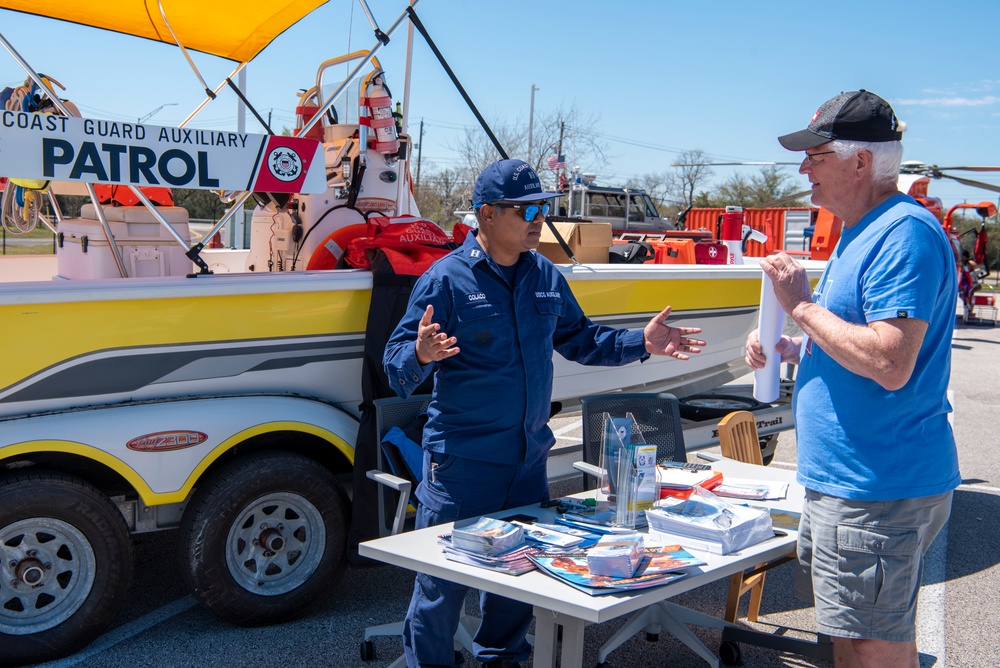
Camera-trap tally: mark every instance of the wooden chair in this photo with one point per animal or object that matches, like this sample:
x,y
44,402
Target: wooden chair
x,y
739,440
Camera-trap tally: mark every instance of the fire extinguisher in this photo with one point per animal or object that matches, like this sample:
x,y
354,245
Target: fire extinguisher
x,y
304,112
376,102
732,233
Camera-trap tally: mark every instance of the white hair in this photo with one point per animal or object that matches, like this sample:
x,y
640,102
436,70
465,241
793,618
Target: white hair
x,y
886,156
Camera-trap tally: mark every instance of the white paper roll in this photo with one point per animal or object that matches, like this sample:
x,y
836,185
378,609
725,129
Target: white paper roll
x,y
771,322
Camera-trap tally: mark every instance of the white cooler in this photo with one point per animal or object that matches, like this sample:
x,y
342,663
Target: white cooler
x,y
147,248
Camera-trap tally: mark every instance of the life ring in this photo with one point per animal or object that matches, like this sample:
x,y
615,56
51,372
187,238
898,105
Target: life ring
x,y
329,252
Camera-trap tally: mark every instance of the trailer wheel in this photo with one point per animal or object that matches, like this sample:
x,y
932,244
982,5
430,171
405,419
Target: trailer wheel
x,y
66,565
264,538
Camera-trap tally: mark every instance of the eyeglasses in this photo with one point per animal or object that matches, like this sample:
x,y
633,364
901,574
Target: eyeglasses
x,y
529,211
811,157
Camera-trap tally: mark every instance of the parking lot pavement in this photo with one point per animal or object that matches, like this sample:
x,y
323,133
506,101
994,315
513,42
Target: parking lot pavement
x,y
162,627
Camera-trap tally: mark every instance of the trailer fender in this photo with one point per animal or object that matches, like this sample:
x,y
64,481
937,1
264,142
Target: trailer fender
x,y
162,448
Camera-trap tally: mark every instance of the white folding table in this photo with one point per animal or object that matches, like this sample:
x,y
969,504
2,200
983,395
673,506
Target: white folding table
x,y
558,605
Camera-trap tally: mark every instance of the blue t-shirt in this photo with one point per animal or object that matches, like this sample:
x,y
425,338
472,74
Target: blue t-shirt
x,y
491,401
855,439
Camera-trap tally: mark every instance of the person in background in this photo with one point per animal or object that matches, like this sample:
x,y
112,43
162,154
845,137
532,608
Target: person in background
x,y
486,319
876,452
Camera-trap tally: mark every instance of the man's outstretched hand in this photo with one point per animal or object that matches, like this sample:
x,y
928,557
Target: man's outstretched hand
x,y
676,342
432,344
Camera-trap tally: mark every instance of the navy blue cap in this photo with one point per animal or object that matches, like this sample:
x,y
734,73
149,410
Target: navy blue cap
x,y
508,181
854,116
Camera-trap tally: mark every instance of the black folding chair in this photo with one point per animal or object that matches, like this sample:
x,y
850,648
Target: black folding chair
x,y
657,415
398,479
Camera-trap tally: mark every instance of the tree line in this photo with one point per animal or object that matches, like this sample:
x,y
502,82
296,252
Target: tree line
x,y
441,191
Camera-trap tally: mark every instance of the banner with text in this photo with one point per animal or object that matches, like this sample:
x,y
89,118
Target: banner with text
x,y
60,148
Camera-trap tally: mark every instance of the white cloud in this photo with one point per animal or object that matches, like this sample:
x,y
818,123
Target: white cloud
x,y
984,101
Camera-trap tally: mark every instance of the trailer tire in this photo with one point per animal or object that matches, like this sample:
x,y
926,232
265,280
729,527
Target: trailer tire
x,y
67,548
264,538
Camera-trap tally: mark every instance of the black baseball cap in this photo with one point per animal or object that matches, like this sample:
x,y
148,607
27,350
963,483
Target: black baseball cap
x,y
853,116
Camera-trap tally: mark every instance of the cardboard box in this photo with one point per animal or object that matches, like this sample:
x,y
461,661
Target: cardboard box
x,y
588,241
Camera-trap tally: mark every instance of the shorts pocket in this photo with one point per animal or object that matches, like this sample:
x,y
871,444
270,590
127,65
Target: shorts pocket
x,y
877,567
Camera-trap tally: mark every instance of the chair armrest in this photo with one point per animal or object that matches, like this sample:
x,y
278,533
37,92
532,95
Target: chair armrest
x,y
590,469
400,485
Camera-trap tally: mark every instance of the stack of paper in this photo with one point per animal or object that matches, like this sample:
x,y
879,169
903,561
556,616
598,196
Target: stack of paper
x,y
513,562
709,524
551,536
757,490
679,482
616,556
659,566
487,536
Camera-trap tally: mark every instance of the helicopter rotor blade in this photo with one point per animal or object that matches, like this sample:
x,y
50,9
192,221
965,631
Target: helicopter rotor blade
x,y
974,184
973,169
731,164
786,199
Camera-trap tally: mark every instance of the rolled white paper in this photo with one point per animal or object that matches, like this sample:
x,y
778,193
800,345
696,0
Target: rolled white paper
x,y
771,322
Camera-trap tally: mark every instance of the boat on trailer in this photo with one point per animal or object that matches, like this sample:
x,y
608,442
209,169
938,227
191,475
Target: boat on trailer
x,y
172,385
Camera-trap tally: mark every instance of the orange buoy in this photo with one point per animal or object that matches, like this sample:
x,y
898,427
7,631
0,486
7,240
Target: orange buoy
x,y
332,248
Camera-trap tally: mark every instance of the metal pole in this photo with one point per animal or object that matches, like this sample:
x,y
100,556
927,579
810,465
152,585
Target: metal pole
x,y
420,149
531,121
241,106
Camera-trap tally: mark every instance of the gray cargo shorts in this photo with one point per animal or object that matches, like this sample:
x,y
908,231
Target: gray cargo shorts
x,y
860,562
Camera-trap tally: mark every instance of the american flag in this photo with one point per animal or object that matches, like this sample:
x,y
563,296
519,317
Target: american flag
x,y
556,162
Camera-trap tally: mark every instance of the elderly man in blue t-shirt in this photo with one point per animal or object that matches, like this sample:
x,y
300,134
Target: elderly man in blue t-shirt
x,y
876,452
486,319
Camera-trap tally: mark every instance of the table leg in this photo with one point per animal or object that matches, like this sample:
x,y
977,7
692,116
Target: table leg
x,y
547,623
545,638
572,642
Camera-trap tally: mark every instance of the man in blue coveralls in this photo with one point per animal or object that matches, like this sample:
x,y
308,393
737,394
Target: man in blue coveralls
x,y
486,318
875,450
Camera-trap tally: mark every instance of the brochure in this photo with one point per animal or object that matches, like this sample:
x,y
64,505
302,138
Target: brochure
x,y
486,535
676,478
757,490
636,483
588,537
602,527
706,518
572,569
513,562
549,537
616,556
784,519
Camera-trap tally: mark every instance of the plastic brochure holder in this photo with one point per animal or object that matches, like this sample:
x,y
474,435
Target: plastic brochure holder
x,y
617,433
637,488
629,466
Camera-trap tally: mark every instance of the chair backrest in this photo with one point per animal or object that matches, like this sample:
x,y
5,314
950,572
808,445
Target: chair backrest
x,y
739,439
656,414
396,412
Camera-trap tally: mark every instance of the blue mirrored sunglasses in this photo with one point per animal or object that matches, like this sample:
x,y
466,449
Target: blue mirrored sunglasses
x,y
529,211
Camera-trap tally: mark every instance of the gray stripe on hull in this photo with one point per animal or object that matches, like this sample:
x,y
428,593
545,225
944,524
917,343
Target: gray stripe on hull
x,y
116,372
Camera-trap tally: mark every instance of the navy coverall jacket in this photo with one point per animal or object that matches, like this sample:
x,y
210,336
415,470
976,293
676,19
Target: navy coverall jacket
x,y
491,401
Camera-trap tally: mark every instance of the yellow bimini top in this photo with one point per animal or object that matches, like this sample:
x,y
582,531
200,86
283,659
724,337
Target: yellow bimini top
x,y
233,29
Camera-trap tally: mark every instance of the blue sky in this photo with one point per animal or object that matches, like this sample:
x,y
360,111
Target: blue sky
x,y
724,77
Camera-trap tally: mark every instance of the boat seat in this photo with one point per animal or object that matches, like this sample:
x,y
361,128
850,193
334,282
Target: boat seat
x,y
135,214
